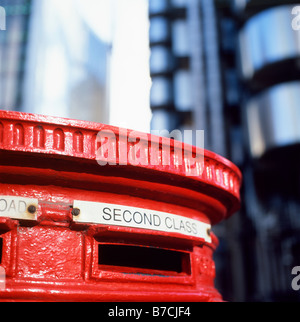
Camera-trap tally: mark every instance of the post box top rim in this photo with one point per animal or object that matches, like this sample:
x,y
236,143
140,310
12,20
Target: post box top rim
x,y
88,125
67,126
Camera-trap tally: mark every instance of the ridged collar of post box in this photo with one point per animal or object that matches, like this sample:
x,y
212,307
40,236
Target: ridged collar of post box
x,y
56,151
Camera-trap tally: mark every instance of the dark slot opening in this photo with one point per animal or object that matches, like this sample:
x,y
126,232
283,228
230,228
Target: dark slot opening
x,y
1,249
142,257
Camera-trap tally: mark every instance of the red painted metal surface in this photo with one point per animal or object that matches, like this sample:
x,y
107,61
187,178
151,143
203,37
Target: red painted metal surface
x,y
51,257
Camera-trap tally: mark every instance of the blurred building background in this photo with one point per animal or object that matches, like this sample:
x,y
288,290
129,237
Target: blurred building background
x,y
229,67
232,68
80,59
13,46
49,61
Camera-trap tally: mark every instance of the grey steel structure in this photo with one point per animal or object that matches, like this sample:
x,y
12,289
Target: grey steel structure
x,y
231,68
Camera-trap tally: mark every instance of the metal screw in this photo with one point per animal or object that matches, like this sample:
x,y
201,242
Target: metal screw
x,y
76,212
31,209
208,232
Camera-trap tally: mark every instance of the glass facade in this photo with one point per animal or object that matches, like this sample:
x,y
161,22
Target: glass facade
x,y
13,45
67,64
158,6
159,30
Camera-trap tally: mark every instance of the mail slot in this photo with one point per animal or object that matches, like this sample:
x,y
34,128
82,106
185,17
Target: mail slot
x,y
87,213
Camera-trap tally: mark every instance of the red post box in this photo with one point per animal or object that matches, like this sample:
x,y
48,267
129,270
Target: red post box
x,y
79,223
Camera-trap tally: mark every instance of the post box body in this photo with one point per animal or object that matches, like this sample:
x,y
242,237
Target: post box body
x,y
74,230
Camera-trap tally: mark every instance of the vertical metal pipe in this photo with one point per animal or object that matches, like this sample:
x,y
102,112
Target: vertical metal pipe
x,y
214,87
197,66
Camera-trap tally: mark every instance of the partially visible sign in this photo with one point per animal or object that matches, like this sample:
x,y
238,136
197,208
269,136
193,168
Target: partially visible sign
x,y
18,208
117,215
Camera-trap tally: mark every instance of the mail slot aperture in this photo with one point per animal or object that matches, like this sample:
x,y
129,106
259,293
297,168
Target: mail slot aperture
x,y
150,260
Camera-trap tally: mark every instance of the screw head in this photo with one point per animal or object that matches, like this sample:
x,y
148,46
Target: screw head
x,y
75,212
31,209
208,232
